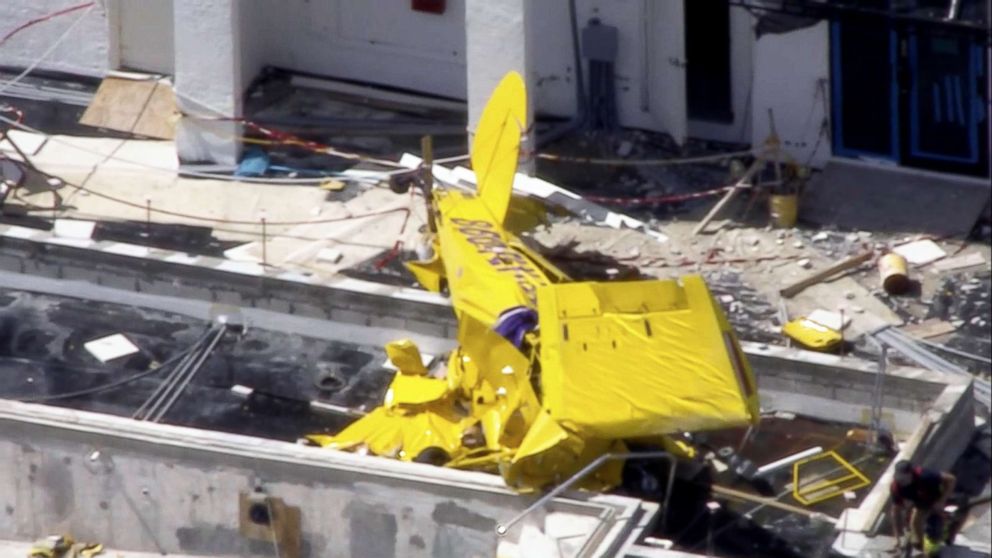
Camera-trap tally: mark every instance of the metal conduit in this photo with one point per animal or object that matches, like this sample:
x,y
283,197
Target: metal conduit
x,y
503,528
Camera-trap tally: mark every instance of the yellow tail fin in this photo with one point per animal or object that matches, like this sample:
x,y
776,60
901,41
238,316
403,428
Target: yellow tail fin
x,y
496,146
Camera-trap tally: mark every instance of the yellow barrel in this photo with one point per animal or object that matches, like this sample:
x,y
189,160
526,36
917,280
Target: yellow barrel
x,y
784,210
893,270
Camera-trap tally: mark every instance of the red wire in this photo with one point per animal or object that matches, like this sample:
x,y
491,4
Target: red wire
x,y
43,18
15,110
658,199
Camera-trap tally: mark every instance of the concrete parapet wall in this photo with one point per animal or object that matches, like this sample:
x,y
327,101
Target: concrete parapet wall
x,y
156,276
151,487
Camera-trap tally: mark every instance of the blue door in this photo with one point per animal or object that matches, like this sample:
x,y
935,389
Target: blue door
x,y
865,90
946,108
912,96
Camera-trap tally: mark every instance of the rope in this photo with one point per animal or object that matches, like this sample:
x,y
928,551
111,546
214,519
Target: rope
x,y
65,34
644,162
193,217
645,200
398,245
11,108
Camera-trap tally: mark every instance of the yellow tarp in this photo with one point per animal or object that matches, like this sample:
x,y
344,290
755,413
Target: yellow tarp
x,y
623,360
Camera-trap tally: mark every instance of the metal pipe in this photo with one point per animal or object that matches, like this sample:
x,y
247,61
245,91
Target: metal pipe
x,y
877,395
503,528
181,387
647,18
146,408
787,460
954,351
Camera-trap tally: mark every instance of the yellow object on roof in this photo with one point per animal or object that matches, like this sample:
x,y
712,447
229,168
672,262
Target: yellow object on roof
x,y
825,476
496,146
629,359
812,335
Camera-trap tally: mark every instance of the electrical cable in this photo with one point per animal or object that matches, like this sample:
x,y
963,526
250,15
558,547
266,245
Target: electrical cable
x,y
203,218
186,377
152,404
112,385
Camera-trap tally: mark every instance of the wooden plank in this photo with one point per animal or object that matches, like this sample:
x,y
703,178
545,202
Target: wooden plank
x,y
972,259
741,184
926,329
770,502
142,107
850,263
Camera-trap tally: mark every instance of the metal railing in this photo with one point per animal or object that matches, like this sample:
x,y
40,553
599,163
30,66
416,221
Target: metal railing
x,y
504,527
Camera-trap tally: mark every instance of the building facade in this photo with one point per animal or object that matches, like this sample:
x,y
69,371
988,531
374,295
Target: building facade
x,y
893,82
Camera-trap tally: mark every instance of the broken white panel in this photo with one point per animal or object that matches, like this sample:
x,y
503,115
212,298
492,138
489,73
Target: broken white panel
x,y
829,319
330,255
920,252
29,142
971,259
410,161
132,250
21,232
540,188
619,220
111,347
72,228
464,175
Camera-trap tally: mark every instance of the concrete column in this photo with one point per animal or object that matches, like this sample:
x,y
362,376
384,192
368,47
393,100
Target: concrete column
x,y
497,41
208,79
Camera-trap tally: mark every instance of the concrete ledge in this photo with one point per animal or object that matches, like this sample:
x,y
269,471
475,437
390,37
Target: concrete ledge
x,y
153,487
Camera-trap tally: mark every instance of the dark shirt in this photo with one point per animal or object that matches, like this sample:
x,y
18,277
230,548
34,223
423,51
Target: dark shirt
x,y
923,492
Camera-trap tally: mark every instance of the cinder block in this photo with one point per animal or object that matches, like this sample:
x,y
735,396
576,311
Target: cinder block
x,y
118,281
11,262
275,304
80,274
347,316
230,298
427,328
389,322
311,311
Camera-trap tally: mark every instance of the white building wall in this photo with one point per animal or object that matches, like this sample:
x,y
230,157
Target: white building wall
x,y
85,51
389,44
376,42
649,53
792,78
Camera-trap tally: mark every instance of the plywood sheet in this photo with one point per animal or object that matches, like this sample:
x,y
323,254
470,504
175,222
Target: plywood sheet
x,y
146,107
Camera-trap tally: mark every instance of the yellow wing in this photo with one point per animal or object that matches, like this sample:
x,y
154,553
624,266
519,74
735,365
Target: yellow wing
x,y
496,147
623,360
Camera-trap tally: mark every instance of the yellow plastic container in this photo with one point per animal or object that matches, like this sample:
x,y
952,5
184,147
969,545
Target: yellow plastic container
x,y
893,270
784,210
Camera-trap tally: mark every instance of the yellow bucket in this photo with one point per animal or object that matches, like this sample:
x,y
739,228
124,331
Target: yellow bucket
x,y
893,270
784,210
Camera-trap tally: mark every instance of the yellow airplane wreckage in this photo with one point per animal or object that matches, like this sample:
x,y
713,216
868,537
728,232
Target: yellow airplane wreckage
x,y
549,374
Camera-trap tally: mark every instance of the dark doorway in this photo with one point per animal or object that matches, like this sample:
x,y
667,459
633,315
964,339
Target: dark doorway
x,y
864,78
707,52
